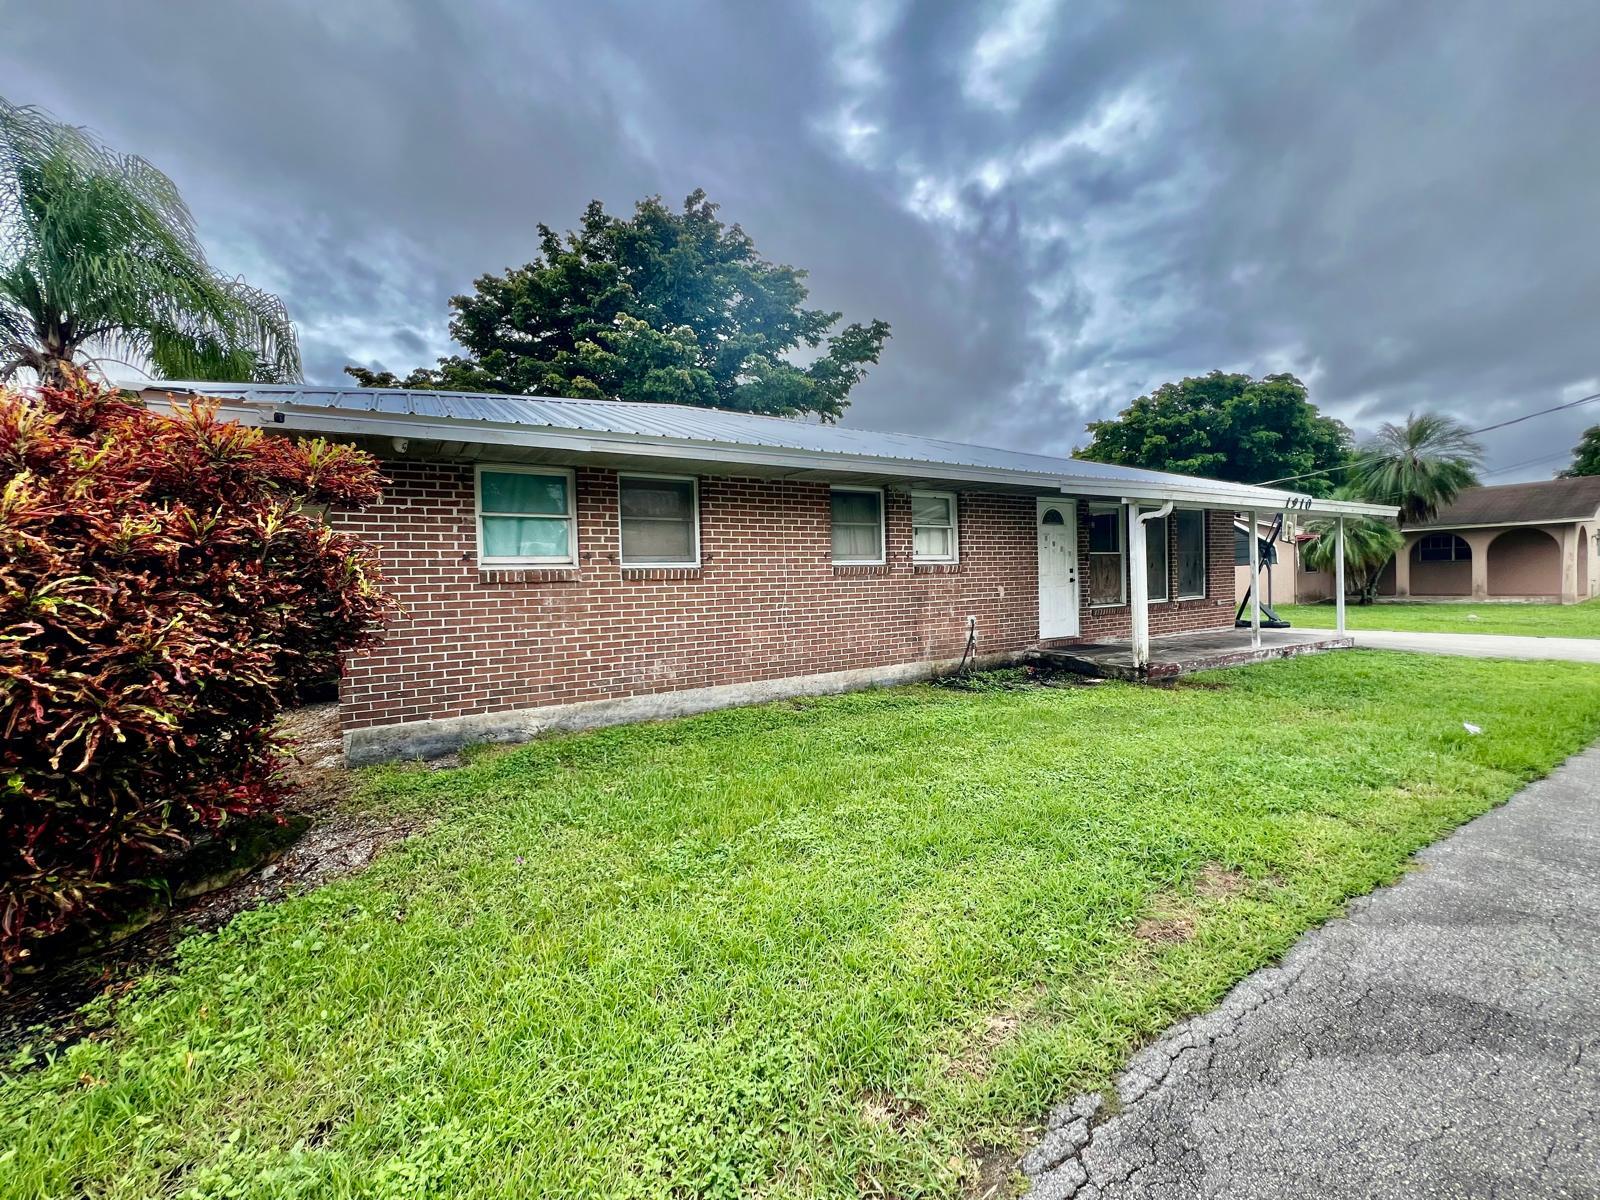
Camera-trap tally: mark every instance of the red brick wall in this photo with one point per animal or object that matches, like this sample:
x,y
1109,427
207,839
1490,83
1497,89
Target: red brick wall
x,y
766,603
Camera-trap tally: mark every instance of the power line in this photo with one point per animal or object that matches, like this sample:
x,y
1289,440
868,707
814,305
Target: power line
x,y
1470,433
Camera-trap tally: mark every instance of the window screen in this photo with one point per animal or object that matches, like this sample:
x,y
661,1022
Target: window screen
x,y
857,527
933,527
1191,525
659,526
1155,558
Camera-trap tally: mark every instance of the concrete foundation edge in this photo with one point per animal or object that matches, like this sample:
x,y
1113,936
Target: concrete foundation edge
x,y
432,738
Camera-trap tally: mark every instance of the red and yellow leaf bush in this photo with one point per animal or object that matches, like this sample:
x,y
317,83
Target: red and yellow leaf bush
x,y
166,587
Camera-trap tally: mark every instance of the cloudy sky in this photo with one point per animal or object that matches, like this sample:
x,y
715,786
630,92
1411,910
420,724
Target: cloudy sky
x,y
1056,205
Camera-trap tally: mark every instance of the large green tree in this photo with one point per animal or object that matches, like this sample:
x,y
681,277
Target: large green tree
x,y
1420,464
1227,426
99,259
1585,455
669,307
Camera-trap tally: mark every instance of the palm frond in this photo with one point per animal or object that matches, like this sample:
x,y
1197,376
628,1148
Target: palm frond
x,y
99,246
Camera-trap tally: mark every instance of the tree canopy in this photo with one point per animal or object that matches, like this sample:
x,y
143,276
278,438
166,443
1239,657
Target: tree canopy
x,y
669,307
1585,455
99,256
1227,426
1421,464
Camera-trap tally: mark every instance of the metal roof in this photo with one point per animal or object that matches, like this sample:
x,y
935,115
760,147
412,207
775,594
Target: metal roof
x,y
472,417
1546,501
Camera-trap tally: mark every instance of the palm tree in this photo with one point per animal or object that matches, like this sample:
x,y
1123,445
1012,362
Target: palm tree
x,y
98,253
1420,465
1369,544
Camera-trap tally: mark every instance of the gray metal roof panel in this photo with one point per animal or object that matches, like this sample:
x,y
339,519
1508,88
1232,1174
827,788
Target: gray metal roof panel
x,y
682,422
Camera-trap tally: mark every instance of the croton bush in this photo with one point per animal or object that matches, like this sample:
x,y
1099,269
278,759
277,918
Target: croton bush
x,y
167,586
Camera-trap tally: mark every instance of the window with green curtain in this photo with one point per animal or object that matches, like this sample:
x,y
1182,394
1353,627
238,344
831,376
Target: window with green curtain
x,y
933,526
1155,558
658,521
1191,524
857,526
525,516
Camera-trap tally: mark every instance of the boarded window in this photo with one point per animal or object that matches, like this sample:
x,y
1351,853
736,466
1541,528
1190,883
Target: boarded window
x,y
857,526
1191,526
659,525
1106,572
525,517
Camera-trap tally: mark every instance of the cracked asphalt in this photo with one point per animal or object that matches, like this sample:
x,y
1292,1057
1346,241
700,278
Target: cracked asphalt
x,y
1442,1040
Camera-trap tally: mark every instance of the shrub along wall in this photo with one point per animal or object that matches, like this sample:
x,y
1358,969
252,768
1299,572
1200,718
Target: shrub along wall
x,y
165,587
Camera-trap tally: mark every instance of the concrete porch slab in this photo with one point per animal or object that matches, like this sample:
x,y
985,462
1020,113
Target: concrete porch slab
x,y
1184,653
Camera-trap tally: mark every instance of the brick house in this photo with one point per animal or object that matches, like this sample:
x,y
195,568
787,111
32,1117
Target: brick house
x,y
568,563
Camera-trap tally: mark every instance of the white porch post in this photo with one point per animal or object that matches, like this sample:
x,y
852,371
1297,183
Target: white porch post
x,y
1338,578
1255,579
1139,579
1138,590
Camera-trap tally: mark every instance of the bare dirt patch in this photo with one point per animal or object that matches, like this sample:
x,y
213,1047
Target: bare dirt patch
x,y
1165,928
1172,917
990,1173
975,1058
888,1111
1217,882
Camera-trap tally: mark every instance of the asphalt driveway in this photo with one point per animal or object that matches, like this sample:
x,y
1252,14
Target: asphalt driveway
x,y
1443,1040
1481,645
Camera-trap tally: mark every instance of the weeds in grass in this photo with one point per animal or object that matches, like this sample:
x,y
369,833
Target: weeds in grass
x,y
740,953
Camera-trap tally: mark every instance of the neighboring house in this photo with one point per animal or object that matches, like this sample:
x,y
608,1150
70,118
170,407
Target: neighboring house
x,y
1289,581
1518,541
567,563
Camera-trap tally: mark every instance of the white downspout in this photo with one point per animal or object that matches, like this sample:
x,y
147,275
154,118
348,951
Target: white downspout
x,y
1138,580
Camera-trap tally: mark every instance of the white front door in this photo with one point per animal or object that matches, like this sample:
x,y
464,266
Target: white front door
x,y
1058,569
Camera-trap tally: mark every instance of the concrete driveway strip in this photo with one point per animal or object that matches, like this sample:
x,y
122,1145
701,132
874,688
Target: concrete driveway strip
x,y
1481,645
1442,1040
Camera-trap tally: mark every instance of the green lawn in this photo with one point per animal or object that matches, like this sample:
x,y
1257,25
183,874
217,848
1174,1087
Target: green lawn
x,y
827,948
1527,620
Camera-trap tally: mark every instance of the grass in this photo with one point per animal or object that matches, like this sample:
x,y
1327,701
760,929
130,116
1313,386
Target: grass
x,y
1525,620
826,948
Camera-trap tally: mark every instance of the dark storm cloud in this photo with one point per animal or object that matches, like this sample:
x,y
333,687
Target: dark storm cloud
x,y
1057,206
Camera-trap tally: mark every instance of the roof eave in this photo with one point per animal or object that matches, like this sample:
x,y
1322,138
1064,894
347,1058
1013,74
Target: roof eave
x,y
320,420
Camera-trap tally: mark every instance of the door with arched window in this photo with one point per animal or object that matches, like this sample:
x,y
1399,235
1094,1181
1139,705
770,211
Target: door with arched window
x,y
1058,569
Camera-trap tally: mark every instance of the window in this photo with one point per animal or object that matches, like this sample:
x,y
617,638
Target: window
x,y
1443,547
933,527
857,525
1191,554
1106,572
525,516
660,521
1155,559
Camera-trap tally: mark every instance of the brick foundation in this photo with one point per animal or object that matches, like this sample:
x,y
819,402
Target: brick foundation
x,y
765,604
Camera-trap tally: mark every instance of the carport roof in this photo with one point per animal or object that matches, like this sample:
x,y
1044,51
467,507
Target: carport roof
x,y
1546,502
476,425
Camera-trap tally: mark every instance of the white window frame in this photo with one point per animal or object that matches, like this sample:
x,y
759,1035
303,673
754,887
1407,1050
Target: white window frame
x,y
484,560
955,528
1205,554
1119,513
1168,543
622,556
883,532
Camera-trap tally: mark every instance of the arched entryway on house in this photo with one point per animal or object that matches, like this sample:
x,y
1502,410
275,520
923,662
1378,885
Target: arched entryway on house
x,y
1585,588
1525,562
1441,565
